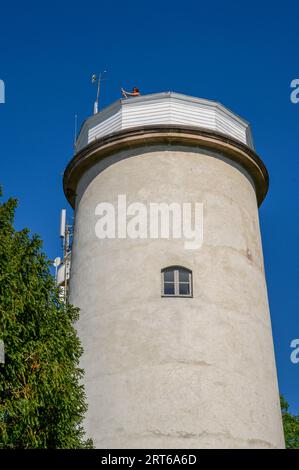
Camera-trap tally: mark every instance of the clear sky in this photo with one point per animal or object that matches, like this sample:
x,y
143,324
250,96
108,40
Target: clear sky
x,y
241,54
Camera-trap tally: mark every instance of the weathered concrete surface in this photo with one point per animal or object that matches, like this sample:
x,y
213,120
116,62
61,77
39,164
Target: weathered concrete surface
x,y
175,372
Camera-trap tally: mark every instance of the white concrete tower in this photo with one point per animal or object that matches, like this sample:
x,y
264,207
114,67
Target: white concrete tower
x,y
190,370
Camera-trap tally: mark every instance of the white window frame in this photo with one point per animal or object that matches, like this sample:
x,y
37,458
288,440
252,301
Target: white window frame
x,y
176,282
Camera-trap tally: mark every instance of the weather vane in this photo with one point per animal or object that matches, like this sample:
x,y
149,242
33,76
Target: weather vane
x,y
97,79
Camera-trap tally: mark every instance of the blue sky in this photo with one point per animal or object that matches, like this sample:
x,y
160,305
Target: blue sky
x,y
243,55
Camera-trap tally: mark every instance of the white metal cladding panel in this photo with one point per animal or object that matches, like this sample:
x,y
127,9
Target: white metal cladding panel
x,y
107,126
139,114
227,125
165,110
83,137
193,115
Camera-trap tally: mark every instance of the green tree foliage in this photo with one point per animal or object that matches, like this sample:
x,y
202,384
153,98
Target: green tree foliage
x,y
290,426
42,402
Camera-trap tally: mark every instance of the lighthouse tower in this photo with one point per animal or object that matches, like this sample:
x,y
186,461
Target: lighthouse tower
x,y
178,348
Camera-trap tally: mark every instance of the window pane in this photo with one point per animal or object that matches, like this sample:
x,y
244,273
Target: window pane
x,y
184,289
169,276
169,288
183,275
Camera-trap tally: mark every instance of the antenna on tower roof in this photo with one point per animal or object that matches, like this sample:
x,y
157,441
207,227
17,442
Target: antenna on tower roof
x,y
75,132
97,79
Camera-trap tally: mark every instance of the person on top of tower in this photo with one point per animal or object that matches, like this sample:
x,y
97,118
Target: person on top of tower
x,y
134,92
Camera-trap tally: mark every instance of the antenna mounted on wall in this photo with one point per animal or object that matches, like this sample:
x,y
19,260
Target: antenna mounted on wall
x,y
62,223
62,266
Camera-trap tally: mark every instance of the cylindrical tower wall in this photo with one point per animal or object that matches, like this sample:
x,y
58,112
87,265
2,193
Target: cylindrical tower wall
x,y
175,372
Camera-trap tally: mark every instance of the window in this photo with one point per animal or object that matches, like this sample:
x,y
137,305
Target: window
x,y
176,282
